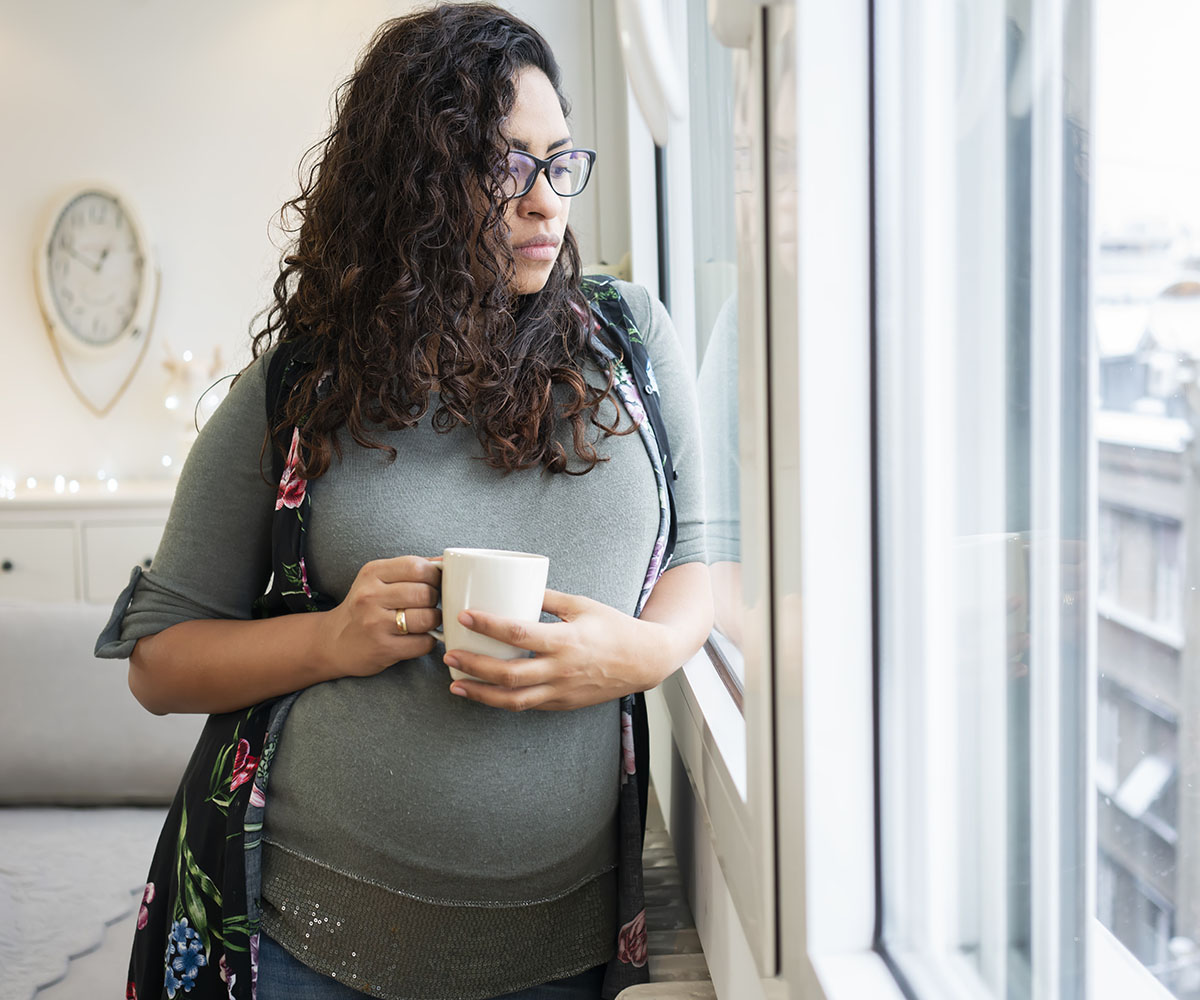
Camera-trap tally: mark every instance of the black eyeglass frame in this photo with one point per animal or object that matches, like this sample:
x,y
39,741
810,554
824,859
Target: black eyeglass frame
x,y
541,166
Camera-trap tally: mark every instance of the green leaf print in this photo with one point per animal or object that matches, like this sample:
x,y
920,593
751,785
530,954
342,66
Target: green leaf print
x,y
597,292
293,574
194,886
197,915
221,778
236,925
264,761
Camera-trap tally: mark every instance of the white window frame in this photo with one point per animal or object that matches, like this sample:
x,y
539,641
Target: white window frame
x,y
729,756
922,687
821,440
814,897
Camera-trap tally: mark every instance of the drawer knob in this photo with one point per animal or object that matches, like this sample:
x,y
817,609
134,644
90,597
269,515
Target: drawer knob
x,y
7,566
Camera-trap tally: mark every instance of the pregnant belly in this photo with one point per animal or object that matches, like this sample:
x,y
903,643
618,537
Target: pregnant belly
x,y
394,780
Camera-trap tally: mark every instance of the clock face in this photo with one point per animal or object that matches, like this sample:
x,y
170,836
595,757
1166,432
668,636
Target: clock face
x,y
95,268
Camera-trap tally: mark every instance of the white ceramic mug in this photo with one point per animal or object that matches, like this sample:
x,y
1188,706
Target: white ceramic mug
x,y
510,584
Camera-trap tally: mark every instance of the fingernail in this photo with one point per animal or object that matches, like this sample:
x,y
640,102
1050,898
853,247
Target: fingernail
x,y
466,619
455,689
450,661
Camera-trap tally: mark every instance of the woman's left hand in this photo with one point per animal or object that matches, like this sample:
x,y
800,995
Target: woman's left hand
x,y
593,655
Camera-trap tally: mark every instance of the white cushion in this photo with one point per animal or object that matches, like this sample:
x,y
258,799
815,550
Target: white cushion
x,y
70,731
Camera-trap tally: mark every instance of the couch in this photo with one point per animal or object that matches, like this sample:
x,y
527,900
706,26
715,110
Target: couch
x,y
86,775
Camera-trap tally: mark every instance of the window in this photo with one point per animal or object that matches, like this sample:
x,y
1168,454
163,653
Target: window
x,y
714,284
1036,256
947,254
1147,309
984,494
795,843
721,704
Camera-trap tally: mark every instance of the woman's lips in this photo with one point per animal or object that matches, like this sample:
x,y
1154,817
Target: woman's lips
x,y
537,251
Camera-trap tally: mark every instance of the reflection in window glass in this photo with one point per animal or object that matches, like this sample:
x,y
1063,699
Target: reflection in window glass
x,y
1147,330
983,397
714,255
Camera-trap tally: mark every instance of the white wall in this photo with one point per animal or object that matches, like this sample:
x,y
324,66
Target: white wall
x,y
199,114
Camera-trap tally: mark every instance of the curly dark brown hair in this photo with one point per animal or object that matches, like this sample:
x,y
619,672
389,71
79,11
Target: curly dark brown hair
x,y
399,275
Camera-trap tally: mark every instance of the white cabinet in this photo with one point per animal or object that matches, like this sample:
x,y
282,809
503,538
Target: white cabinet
x,y
79,546
37,562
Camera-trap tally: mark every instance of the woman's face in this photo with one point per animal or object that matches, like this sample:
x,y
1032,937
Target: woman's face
x,y
538,219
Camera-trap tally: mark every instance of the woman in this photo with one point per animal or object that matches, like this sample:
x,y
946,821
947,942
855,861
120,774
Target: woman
x,y
422,838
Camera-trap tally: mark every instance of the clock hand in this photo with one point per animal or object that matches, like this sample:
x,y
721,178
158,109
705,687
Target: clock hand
x,y
87,261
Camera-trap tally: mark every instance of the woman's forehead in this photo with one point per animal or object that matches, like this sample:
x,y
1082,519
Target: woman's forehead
x,y
536,121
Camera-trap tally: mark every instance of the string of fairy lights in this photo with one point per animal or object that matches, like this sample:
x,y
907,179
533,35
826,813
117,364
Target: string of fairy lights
x,y
183,379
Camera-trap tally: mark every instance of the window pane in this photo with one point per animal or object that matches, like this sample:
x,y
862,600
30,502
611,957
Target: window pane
x,y
714,256
983,395
1147,314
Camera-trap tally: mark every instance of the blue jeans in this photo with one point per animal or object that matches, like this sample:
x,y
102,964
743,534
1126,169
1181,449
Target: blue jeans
x,y
282,977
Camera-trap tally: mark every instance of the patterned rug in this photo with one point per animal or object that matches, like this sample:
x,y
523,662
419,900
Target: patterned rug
x,y
65,875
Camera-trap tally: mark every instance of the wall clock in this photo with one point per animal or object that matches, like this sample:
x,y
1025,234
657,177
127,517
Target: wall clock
x,y
97,285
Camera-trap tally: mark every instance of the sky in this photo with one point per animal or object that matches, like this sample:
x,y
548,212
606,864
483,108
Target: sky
x,y
1147,126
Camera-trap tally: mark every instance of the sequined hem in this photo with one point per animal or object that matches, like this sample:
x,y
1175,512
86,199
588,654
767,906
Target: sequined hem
x,y
399,948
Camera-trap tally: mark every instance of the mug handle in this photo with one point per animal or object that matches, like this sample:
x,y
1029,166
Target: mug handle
x,y
437,633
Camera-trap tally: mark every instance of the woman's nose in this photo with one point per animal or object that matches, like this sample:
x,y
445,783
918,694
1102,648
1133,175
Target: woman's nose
x,y
541,199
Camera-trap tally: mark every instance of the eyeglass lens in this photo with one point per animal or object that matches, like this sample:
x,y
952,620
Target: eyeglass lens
x,y
568,172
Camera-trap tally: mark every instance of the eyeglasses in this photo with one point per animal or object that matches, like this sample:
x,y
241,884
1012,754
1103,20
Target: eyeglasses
x,y
567,172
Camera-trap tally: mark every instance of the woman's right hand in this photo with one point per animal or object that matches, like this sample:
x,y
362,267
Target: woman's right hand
x,y
363,636
222,665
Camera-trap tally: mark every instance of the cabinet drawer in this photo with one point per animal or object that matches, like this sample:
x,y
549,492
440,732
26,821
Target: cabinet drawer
x,y
37,563
110,551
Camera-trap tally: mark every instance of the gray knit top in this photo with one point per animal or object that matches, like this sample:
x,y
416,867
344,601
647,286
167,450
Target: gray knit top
x,y
419,845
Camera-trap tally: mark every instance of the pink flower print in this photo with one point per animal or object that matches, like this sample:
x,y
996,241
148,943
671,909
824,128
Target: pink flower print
x,y
144,912
586,317
131,991
256,796
656,561
254,966
227,976
633,403
631,941
628,760
304,577
244,765
291,486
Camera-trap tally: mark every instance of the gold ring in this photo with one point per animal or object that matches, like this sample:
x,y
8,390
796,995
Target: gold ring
x,y
401,623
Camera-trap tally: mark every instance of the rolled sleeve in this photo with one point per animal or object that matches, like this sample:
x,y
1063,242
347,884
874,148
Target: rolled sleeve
x,y
215,555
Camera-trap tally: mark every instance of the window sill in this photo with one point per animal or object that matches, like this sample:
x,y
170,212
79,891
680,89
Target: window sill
x,y
711,713
854,976
711,737
1114,974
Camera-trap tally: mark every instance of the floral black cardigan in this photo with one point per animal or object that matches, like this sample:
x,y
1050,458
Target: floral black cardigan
x,y
197,930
